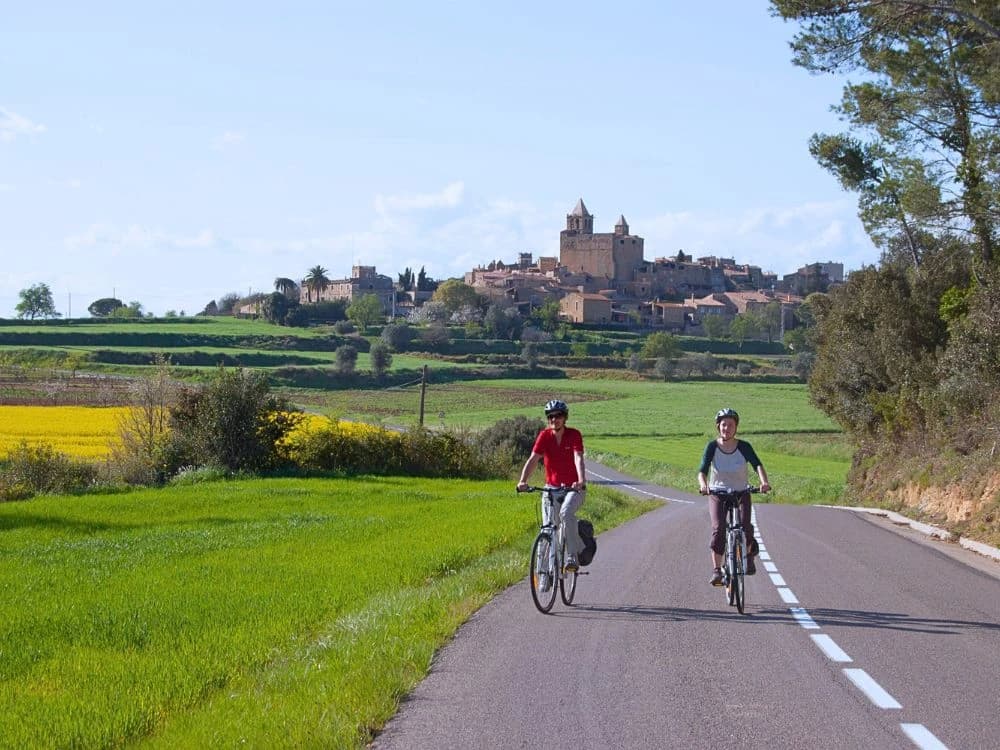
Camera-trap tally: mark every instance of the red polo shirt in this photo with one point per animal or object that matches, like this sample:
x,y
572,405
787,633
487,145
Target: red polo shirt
x,y
559,466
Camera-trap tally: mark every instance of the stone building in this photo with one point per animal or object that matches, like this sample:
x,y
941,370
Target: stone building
x,y
364,280
610,257
580,307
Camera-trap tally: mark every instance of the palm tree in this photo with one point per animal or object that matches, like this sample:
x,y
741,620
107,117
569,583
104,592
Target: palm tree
x,y
316,281
288,287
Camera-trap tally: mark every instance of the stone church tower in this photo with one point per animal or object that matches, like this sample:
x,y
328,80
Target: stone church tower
x,y
613,257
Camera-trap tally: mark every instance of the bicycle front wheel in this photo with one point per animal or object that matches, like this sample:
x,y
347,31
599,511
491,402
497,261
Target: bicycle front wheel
x,y
730,570
740,591
541,574
567,582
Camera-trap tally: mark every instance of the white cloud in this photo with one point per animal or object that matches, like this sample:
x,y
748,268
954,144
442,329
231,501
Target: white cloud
x,y
229,139
776,239
449,197
132,239
13,125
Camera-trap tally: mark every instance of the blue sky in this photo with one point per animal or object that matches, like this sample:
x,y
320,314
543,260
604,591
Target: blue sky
x,y
170,153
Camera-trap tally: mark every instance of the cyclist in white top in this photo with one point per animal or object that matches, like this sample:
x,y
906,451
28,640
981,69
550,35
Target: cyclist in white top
x,y
724,465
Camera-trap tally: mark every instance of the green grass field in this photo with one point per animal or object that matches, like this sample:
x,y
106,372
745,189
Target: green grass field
x,y
654,430
267,613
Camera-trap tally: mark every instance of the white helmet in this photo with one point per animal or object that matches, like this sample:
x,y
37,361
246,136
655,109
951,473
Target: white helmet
x,y
555,406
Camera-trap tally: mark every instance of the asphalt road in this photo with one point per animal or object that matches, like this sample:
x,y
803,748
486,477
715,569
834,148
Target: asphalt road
x,y
856,636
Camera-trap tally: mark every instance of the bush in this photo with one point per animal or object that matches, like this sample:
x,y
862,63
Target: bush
x,y
40,469
346,359
351,449
510,440
381,358
234,422
397,336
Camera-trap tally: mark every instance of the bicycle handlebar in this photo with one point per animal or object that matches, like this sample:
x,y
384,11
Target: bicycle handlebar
x,y
532,488
730,491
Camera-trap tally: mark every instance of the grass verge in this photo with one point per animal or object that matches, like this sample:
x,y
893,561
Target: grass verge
x,y
272,613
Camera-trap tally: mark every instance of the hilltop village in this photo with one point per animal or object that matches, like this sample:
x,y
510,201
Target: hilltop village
x,y
604,278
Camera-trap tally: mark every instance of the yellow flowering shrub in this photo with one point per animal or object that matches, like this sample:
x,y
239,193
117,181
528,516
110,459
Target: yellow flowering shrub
x,y
317,442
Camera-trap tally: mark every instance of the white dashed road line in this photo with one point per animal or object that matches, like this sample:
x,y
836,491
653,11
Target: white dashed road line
x,y
917,733
875,692
787,596
831,649
803,618
922,737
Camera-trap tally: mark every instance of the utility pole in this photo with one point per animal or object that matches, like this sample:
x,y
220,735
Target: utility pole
x,y
423,390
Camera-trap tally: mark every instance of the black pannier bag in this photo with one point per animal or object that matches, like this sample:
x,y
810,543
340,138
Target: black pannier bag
x,y
586,529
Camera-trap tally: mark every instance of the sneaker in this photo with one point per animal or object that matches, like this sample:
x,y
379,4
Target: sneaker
x,y
716,577
571,564
751,567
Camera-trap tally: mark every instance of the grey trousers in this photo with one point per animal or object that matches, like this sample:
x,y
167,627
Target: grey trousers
x,y
567,517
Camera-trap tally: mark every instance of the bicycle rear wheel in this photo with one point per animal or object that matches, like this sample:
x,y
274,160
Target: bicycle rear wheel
x,y
541,574
567,582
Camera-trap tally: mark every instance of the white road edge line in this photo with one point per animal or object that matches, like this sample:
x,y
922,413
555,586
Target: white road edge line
x,y
642,491
922,737
777,579
770,567
830,648
875,692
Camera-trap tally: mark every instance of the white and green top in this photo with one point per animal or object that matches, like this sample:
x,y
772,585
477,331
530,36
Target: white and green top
x,y
728,470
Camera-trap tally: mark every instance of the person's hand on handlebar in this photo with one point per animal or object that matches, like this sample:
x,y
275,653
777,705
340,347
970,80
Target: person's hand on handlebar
x,y
522,486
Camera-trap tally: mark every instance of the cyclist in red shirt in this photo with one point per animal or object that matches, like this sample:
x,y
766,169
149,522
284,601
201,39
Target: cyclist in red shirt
x,y
562,449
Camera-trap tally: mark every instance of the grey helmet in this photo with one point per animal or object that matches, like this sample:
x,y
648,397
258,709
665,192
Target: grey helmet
x,y
727,412
555,406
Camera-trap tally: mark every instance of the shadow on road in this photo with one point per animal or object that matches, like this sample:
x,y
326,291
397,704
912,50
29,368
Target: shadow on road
x,y
849,618
643,612
772,616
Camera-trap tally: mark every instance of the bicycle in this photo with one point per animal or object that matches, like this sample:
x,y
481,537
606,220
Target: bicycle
x,y
734,555
547,571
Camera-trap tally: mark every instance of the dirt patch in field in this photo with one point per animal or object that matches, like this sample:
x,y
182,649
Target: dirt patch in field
x,y
69,390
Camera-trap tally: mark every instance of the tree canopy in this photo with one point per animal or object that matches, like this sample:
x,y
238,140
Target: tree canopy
x,y
925,120
316,282
102,308
455,294
366,311
36,302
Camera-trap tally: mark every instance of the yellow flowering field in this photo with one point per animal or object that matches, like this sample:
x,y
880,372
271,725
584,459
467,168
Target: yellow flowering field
x,y
80,431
